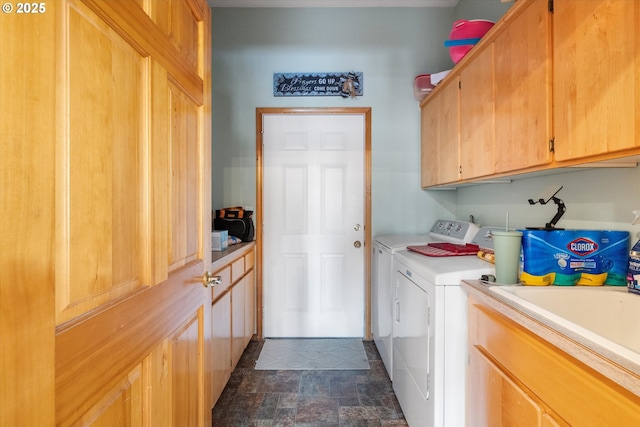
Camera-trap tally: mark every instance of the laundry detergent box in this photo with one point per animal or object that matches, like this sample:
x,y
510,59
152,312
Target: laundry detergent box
x,y
574,257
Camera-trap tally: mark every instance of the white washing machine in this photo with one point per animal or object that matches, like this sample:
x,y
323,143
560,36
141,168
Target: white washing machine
x,y
382,301
382,290
430,334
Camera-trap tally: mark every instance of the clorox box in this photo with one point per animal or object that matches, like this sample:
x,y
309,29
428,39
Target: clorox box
x,y
574,257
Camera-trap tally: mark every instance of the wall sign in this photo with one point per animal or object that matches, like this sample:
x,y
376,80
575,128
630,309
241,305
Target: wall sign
x,y
348,84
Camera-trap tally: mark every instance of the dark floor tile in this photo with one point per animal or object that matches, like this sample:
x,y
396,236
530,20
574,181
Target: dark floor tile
x,y
313,385
317,409
343,386
348,398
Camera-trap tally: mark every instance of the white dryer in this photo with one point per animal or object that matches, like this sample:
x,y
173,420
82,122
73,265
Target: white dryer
x,y
430,334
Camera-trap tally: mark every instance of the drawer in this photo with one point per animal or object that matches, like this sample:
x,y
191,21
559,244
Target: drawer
x,y
249,260
225,281
237,269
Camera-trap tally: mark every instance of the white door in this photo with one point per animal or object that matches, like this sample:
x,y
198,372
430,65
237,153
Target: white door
x,y
313,225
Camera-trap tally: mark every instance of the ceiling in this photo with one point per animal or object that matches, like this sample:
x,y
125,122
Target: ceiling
x,y
332,3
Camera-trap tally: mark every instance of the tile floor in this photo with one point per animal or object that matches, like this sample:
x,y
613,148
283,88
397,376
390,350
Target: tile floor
x,y
308,398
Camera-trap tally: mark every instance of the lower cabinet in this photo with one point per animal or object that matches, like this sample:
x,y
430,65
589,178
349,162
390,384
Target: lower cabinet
x,y
498,400
516,378
233,314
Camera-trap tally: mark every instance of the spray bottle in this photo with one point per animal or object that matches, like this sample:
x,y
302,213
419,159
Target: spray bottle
x,y
633,270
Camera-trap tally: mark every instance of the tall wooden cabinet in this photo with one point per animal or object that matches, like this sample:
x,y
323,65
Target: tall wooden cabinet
x,y
105,214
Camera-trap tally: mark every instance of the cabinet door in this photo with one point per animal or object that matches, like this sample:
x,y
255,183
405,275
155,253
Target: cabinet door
x,y
440,130
596,47
523,89
238,295
221,344
494,400
500,347
249,307
477,119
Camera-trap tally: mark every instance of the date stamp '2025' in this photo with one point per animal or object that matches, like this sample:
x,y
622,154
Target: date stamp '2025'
x,y
24,8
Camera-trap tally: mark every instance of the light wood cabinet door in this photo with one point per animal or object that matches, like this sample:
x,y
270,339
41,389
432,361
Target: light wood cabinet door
x,y
221,344
238,301
440,136
477,116
510,366
494,399
249,307
119,327
596,55
523,89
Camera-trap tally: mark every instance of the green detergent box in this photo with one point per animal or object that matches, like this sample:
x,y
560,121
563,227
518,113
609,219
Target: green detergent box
x,y
574,257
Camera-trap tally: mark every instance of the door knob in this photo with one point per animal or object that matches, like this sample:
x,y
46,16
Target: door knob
x,y
209,280
356,227
357,244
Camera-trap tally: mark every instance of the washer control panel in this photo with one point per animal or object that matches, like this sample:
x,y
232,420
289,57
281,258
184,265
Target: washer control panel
x,y
454,231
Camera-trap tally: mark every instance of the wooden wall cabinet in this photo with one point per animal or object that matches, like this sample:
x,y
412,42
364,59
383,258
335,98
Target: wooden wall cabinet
x,y
596,48
233,312
477,116
542,90
522,78
515,377
503,103
440,129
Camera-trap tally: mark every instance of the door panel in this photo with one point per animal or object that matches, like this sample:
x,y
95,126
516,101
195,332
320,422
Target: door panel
x,y
186,373
313,203
99,210
119,406
184,174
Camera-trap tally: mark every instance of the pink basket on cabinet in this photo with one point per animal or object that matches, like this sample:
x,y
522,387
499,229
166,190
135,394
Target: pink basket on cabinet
x,y
469,30
422,86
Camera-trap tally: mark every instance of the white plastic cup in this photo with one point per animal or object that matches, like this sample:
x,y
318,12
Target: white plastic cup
x,y
506,245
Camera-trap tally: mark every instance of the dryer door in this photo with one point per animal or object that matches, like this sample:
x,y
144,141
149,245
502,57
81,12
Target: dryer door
x,y
413,349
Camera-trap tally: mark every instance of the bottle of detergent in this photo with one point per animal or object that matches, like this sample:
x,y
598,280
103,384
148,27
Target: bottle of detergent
x,y
633,270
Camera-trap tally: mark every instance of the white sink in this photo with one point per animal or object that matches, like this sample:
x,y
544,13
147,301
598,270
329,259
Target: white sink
x,y
607,316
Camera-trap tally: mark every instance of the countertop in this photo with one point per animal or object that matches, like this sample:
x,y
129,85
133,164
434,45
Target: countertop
x,y
622,371
219,258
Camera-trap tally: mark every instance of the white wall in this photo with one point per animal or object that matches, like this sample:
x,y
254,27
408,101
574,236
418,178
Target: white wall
x,y
481,9
390,46
595,199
